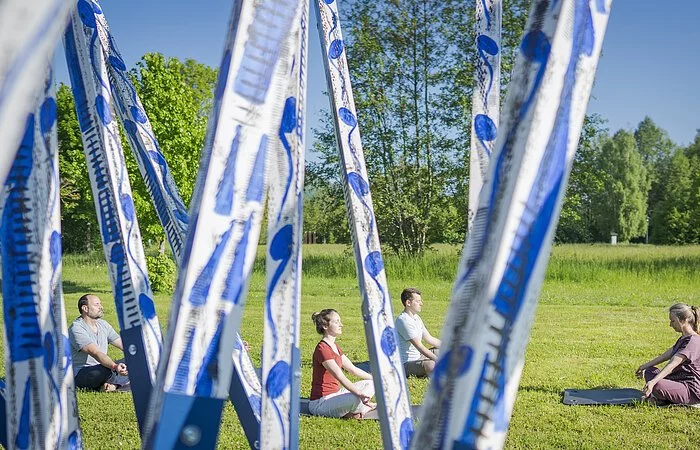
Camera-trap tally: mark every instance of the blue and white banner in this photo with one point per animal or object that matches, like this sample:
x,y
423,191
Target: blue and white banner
x,y
162,188
152,164
41,406
486,96
281,356
389,378
225,216
121,238
494,298
29,32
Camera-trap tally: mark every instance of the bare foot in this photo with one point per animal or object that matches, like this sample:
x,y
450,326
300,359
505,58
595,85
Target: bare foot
x,y
352,415
109,387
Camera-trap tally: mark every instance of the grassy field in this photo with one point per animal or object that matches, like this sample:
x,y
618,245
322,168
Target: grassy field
x,y
602,312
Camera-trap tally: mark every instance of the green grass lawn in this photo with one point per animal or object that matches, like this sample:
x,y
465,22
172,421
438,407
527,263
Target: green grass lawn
x,y
602,312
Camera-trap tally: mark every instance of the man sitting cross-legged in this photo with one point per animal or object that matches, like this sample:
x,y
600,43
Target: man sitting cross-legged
x,y
417,359
89,336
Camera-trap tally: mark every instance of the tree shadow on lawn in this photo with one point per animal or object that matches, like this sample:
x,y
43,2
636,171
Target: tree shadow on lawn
x,y
541,390
70,287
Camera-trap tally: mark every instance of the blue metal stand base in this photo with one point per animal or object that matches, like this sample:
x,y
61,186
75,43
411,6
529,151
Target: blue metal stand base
x,y
250,419
187,423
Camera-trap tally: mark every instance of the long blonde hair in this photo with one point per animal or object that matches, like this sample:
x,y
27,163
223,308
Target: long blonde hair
x,y
687,313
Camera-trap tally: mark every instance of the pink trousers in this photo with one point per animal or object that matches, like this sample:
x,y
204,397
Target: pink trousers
x,y
669,390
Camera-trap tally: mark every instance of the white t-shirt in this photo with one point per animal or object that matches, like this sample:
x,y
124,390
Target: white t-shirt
x,y
407,328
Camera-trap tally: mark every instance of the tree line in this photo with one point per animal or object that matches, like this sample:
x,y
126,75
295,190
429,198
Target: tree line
x,y
412,81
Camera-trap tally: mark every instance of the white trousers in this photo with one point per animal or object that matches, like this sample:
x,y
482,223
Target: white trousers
x,y
342,402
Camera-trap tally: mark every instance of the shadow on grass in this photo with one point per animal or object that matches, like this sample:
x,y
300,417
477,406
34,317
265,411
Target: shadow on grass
x,y
70,287
541,390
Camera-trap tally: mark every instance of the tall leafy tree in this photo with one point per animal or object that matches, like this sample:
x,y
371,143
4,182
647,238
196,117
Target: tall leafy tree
x,y
412,81
673,214
585,183
621,206
80,229
177,97
655,148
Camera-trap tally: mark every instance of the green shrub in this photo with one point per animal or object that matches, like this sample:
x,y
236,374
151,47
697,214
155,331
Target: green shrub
x,y
161,272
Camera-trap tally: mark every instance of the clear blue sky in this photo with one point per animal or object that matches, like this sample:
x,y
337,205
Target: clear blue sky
x,y
650,63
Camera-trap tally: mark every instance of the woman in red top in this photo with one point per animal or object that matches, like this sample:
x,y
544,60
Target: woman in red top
x,y
327,397
679,381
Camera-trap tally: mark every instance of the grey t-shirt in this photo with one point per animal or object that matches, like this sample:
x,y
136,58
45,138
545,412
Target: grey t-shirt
x,y
80,335
408,328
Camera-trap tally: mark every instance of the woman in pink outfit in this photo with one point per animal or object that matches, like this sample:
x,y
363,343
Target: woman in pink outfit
x,y
679,381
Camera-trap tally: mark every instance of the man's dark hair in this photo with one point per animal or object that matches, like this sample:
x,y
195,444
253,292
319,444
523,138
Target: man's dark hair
x,y
407,295
83,301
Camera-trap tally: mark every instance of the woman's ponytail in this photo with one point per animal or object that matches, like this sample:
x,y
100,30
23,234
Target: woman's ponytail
x,y
696,314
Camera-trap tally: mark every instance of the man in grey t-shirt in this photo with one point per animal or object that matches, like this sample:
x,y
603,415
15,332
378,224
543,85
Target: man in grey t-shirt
x,y
89,337
417,359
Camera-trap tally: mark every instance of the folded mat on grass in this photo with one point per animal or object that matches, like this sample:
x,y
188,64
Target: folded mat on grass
x,y
372,415
601,396
608,397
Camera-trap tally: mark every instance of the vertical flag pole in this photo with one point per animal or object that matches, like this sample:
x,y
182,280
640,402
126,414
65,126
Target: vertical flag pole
x,y
41,404
226,211
473,389
486,97
387,371
121,239
281,358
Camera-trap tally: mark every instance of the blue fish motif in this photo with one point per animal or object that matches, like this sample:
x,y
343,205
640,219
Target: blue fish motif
x,y
224,192
374,264
234,279
388,341
281,250
278,379
406,433
87,14
55,249
116,62
209,370
335,49
287,125
48,114
200,289
49,352
256,185
487,46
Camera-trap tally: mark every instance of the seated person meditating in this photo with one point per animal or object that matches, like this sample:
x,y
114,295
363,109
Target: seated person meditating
x,y
679,381
327,397
89,336
417,359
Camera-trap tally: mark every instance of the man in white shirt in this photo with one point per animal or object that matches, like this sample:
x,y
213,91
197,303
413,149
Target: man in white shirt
x,y
418,360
